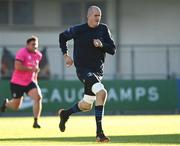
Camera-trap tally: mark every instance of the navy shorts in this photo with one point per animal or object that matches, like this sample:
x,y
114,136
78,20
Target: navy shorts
x,y
18,91
88,78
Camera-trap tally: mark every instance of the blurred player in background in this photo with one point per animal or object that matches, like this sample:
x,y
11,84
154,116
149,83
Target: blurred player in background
x,y
24,79
92,40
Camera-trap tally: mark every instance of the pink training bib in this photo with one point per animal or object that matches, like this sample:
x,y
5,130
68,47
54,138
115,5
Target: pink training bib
x,y
29,59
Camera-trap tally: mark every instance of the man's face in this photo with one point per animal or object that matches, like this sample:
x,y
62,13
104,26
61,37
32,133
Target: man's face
x,y
95,18
32,46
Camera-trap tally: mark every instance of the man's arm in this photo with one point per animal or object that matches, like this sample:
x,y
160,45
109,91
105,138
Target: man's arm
x,y
108,45
19,66
64,37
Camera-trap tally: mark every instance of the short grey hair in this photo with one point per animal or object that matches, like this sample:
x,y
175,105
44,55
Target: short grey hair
x,y
91,8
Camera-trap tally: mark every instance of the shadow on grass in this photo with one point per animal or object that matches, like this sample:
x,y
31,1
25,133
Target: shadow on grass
x,y
161,139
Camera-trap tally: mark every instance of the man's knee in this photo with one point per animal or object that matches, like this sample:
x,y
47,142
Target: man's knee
x,y
35,94
37,98
84,106
87,102
102,94
99,90
16,105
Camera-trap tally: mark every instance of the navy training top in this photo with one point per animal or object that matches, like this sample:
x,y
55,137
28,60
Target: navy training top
x,y
85,54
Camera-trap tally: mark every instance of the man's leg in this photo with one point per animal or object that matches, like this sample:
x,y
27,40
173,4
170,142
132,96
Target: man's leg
x,y
36,95
13,104
17,92
84,105
101,95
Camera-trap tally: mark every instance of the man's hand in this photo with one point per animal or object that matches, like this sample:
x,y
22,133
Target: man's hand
x,y
97,43
68,60
36,69
19,66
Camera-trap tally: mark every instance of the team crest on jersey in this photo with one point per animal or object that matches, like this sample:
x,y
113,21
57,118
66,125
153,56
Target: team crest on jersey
x,y
29,57
90,74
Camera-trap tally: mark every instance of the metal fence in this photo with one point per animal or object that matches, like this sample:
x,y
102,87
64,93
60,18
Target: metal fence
x,y
149,61
130,62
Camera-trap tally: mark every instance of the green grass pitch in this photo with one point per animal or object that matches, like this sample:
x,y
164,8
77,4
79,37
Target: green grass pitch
x,y
123,131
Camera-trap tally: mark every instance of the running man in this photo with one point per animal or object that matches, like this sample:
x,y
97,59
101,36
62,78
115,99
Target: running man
x,y
92,40
24,79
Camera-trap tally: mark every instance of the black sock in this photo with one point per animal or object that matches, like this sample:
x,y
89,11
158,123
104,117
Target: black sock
x,y
35,120
99,112
73,109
